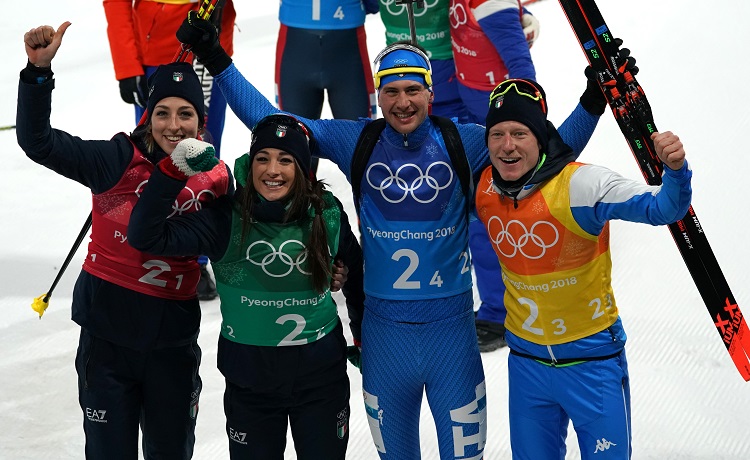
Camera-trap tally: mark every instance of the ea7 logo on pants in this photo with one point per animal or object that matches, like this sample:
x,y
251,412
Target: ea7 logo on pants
x,y
94,415
237,436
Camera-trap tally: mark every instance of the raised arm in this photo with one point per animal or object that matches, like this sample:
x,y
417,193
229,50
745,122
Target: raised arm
x,y
206,231
335,139
42,43
97,165
599,195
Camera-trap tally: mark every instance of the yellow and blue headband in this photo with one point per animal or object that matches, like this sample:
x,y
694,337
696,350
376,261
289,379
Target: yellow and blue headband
x,y
402,61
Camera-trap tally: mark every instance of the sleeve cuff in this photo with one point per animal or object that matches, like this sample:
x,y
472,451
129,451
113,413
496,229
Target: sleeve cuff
x,y
34,74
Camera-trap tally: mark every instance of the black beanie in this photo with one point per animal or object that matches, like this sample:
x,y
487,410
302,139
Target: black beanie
x,y
512,106
177,79
285,133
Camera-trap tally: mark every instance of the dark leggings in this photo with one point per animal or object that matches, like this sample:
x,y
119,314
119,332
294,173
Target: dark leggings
x,y
309,62
120,389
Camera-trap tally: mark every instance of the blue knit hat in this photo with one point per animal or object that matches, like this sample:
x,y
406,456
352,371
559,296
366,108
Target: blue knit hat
x,y
177,79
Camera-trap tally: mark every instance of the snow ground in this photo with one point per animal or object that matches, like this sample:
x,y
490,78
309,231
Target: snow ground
x,y
688,400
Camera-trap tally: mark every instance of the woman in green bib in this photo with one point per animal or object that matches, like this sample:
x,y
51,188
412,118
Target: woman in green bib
x,y
274,246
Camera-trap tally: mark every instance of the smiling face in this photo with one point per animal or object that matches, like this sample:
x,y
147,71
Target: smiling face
x,y
274,172
514,150
405,104
173,120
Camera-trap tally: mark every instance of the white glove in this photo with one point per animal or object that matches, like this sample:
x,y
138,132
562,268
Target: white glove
x,y
189,158
530,28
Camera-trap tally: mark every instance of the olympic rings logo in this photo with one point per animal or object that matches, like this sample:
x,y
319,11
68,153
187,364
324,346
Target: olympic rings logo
x,y
529,242
457,14
400,9
402,187
283,257
193,202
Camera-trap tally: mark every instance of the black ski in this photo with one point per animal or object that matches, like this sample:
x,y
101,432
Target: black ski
x,y
633,114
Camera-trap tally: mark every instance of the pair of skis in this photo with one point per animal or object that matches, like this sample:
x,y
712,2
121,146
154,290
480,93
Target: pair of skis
x,y
633,114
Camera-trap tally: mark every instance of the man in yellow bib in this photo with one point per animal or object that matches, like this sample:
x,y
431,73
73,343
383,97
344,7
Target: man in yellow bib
x,y
548,219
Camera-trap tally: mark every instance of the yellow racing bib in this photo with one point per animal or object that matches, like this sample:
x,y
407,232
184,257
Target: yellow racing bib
x,y
557,276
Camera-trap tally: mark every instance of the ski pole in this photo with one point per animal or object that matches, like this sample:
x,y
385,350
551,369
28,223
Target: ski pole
x,y
41,303
204,12
8,127
410,13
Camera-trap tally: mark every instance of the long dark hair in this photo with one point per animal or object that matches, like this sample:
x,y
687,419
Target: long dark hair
x,y
305,193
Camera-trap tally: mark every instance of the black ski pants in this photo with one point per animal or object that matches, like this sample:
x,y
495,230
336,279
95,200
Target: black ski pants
x,y
120,388
303,387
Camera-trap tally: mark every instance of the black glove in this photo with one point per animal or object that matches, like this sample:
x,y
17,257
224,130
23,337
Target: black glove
x,y
592,99
354,355
203,39
134,90
625,62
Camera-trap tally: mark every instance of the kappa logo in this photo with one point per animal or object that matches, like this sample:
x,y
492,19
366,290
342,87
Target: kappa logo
x,y
96,415
602,445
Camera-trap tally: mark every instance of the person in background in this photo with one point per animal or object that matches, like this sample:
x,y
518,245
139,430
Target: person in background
x,y
282,349
432,23
138,355
321,51
548,217
491,41
141,37
419,300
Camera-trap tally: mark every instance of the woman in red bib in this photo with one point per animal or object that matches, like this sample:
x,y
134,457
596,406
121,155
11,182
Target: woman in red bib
x,y
138,354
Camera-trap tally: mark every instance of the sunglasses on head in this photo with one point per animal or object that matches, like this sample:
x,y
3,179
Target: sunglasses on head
x,y
522,88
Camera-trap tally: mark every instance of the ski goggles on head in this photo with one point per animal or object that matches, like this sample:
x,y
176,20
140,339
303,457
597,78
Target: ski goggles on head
x,y
397,61
523,88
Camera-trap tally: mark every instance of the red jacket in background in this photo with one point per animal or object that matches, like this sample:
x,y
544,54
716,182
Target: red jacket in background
x,y
142,32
